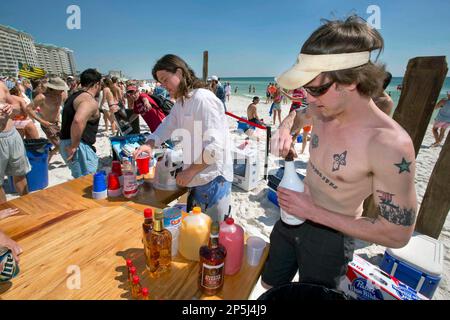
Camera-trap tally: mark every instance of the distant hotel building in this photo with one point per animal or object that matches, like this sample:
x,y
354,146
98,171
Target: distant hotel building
x,y
55,60
17,46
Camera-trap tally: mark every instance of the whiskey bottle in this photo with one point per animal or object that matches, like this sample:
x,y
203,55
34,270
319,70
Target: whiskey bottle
x,y
147,227
212,263
160,247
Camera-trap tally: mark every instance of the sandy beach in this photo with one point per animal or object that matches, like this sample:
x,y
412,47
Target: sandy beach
x,y
254,211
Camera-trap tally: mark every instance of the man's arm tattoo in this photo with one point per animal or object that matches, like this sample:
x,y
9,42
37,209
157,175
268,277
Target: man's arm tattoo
x,y
393,213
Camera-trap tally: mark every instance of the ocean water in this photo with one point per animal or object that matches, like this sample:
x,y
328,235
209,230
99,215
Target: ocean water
x,y
260,84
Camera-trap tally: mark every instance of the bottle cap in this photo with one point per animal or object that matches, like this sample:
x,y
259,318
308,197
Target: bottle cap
x,y
136,280
229,221
144,292
129,263
159,214
148,213
133,271
196,210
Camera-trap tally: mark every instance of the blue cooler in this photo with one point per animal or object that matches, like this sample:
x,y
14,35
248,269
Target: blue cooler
x,y
419,264
243,126
272,196
37,154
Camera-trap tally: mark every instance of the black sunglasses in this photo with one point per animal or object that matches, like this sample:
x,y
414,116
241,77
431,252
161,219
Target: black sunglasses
x,y
319,90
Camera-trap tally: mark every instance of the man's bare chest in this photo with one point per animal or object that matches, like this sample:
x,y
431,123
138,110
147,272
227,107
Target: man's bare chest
x,y
338,156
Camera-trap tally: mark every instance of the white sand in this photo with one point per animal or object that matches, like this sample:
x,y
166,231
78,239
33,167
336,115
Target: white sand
x,y
256,213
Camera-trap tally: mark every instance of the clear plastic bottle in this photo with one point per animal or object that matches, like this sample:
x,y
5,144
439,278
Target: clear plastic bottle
x,y
291,181
194,233
231,236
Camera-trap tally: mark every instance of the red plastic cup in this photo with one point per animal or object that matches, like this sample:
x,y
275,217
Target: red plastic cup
x,y
116,168
143,163
113,181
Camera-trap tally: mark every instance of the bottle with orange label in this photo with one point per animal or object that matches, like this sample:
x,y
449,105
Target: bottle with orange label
x,y
194,233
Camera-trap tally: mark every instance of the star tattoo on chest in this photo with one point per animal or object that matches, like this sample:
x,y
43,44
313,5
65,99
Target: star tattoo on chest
x,y
404,166
315,141
339,160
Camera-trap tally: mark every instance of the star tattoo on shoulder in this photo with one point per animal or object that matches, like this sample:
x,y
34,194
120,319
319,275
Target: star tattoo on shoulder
x,y
339,160
315,141
404,165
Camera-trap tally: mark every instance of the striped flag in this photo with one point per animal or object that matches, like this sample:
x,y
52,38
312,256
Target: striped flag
x,y
30,72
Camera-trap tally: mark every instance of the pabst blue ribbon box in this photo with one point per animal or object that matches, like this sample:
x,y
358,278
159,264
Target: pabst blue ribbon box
x,y
365,281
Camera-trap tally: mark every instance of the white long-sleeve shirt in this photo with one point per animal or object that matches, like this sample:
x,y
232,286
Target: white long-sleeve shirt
x,y
202,124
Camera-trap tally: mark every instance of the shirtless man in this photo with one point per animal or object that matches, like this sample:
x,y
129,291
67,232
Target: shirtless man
x,y
383,100
356,151
49,103
13,159
252,112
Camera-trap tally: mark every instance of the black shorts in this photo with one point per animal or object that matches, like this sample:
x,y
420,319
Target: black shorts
x,y
319,253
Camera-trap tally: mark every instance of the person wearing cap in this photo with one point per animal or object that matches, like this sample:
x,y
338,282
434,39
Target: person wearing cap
x,y
49,103
142,104
197,117
218,90
13,158
356,151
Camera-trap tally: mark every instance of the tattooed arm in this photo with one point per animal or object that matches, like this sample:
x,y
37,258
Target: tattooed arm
x,y
393,167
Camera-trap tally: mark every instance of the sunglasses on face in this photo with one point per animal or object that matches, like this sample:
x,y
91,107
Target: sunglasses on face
x,y
319,90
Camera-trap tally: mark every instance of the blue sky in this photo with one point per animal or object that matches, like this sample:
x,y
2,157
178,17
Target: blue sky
x,y
243,37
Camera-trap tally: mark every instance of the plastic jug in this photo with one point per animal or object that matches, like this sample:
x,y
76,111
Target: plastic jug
x,y
194,233
291,181
231,236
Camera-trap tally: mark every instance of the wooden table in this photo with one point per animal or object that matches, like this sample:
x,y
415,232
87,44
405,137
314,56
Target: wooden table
x,y
75,248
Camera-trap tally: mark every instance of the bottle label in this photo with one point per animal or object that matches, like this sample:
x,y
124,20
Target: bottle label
x,y
212,276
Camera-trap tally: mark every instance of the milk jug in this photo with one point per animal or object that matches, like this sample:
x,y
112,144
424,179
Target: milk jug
x,y
194,233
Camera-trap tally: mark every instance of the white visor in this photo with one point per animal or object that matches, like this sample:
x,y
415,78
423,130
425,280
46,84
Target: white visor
x,y
309,66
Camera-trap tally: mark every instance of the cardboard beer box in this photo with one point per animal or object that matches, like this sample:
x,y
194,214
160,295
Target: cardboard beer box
x,y
364,281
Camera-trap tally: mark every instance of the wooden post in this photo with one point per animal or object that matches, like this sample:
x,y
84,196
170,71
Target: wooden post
x,y
421,87
205,65
422,84
436,201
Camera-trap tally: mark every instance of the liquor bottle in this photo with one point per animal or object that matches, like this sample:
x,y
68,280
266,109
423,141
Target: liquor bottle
x,y
144,294
160,245
136,288
147,228
212,263
291,181
131,273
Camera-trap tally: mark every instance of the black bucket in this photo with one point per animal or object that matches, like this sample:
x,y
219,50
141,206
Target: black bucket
x,y
302,291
